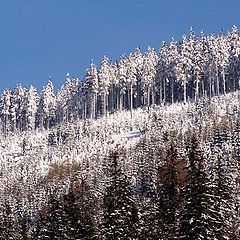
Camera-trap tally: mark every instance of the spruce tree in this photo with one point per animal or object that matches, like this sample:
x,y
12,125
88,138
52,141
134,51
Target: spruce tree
x,y
8,225
54,223
80,211
120,214
197,218
167,195
223,182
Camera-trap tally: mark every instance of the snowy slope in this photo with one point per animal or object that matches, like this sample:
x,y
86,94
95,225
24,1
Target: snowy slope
x,y
31,153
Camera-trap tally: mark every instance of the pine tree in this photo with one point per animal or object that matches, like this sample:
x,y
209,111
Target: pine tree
x,y
148,76
184,67
198,216
120,215
234,67
54,223
172,71
9,228
46,107
167,195
145,190
91,89
5,104
223,181
32,99
80,211
104,77
162,74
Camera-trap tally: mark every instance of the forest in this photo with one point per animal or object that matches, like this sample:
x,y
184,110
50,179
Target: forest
x,y
70,167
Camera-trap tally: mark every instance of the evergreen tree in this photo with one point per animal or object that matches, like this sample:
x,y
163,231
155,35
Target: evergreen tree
x,y
46,107
167,195
90,91
80,211
198,216
223,180
148,76
5,104
120,215
54,223
104,77
31,107
9,228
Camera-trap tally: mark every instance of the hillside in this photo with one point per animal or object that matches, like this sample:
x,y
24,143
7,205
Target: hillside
x,y
144,148
35,163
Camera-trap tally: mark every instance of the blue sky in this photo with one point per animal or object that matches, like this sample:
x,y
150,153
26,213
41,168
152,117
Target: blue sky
x,y
39,38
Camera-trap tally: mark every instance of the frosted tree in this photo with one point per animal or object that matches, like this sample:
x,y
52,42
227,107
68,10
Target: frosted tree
x,y
167,195
198,65
14,112
104,77
5,110
20,94
32,100
68,100
213,65
120,212
234,68
149,76
131,80
8,223
46,107
162,73
184,66
172,69
202,57
223,181
122,85
222,56
79,206
198,216
90,90
113,87
53,223
137,59
192,40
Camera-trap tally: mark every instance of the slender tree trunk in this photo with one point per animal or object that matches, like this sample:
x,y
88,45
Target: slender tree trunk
x,y
197,88
217,83
164,91
172,90
148,97
153,95
160,92
185,91
224,82
131,98
210,87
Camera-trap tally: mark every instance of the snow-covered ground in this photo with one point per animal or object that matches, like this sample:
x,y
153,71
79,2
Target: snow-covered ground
x,y
31,153
128,138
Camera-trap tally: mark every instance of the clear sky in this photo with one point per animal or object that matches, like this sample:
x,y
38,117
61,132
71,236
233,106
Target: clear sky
x,y
41,38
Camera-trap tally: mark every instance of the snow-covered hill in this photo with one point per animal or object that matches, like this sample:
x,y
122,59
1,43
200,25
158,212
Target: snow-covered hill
x,y
35,163
32,152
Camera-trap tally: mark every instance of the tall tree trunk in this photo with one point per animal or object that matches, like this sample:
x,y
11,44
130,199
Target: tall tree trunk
x,y
197,88
217,83
224,82
185,91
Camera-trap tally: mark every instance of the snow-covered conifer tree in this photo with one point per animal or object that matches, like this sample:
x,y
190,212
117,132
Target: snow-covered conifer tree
x,y
90,90
149,76
104,78
120,211
32,100
46,107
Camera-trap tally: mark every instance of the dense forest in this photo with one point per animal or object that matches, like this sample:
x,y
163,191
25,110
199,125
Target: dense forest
x,y
146,147
196,67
